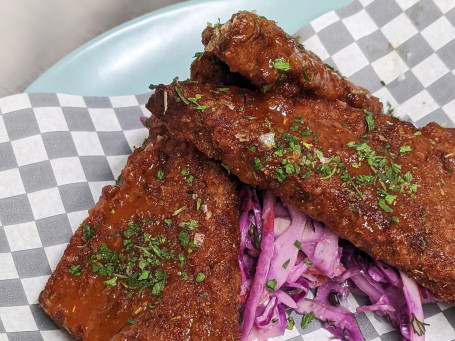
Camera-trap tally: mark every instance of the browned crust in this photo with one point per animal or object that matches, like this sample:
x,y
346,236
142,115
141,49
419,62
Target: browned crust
x,y
249,44
90,310
421,244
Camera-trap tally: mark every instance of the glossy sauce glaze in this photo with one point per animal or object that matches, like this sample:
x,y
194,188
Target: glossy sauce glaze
x,y
266,56
377,181
151,261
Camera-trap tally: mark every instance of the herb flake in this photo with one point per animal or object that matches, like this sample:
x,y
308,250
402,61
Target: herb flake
x,y
271,285
282,65
306,319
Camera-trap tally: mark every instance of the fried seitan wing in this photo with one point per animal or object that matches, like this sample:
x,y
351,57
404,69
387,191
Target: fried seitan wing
x,y
261,52
207,68
377,181
156,258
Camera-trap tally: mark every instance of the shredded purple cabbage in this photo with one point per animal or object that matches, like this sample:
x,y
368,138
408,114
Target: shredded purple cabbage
x,y
284,254
257,295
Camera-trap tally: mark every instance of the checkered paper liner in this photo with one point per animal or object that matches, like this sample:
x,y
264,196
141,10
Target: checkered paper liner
x,y
57,151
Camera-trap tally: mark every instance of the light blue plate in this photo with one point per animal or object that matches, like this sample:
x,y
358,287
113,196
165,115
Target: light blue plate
x,y
158,46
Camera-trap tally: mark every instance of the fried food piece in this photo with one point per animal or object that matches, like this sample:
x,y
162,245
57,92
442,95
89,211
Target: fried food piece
x,y
377,181
207,68
265,55
151,261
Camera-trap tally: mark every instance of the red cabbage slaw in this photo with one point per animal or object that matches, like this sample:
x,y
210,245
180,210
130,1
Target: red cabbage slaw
x,y
284,253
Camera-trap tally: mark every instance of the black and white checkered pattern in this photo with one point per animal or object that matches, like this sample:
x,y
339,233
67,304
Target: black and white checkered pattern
x,y
57,151
407,44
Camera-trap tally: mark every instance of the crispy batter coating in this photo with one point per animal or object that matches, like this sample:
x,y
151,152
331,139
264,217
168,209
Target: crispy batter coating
x,y
192,189
207,68
264,54
377,181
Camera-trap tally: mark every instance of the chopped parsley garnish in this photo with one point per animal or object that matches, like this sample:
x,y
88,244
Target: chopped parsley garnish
x,y
179,92
152,86
292,168
294,127
329,173
184,240
136,266
306,319
185,172
194,100
306,174
405,149
280,174
158,287
369,119
305,76
267,87
189,225
252,148
75,270
365,180
395,219
271,285
295,147
181,258
282,65
250,118
204,294
88,232
200,277
331,68
408,177
198,204
257,164
382,204
167,222
189,180
111,282
395,167
417,133
389,108
160,174
291,323
319,155
132,321
382,83
289,138
390,199
279,148
180,210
